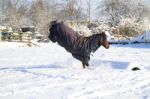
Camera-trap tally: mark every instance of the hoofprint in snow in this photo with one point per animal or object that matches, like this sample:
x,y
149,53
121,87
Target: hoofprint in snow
x,y
49,72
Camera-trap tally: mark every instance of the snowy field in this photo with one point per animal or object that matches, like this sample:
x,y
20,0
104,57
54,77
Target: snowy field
x,y
47,71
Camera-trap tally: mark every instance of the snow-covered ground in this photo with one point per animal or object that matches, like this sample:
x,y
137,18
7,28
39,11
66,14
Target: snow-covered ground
x,y
47,71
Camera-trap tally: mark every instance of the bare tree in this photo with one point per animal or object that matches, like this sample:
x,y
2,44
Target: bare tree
x,y
117,10
127,16
138,10
110,9
2,15
39,16
14,11
71,10
53,8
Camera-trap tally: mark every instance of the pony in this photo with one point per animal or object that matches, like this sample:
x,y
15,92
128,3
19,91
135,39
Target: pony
x,y
79,46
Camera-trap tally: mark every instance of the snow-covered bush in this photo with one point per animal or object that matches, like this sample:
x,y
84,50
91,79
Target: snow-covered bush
x,y
82,30
90,29
129,28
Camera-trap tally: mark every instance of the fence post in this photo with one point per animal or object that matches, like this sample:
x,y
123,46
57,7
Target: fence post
x,y
0,36
29,39
145,36
20,36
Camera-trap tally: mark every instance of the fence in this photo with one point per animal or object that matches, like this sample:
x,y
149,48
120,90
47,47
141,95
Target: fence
x,y
24,37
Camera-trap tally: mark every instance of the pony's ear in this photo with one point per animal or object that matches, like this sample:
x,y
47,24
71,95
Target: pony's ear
x,y
53,22
60,21
103,32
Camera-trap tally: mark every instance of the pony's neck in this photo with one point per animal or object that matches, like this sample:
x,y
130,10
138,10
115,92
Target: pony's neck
x,y
94,42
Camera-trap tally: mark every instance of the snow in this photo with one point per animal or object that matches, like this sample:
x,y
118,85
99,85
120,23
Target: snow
x,y
47,71
145,37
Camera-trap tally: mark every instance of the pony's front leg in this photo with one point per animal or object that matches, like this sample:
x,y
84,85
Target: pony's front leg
x,y
85,65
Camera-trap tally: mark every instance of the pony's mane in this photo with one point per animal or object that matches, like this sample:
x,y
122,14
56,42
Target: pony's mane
x,y
60,23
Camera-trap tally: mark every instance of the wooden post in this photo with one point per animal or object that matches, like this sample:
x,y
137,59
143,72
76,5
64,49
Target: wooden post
x,y
0,36
29,40
20,36
9,37
145,34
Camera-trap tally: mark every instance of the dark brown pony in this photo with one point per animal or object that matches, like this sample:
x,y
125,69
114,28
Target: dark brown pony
x,y
80,47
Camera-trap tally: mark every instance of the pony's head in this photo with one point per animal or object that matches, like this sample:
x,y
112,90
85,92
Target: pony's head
x,y
103,40
53,31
